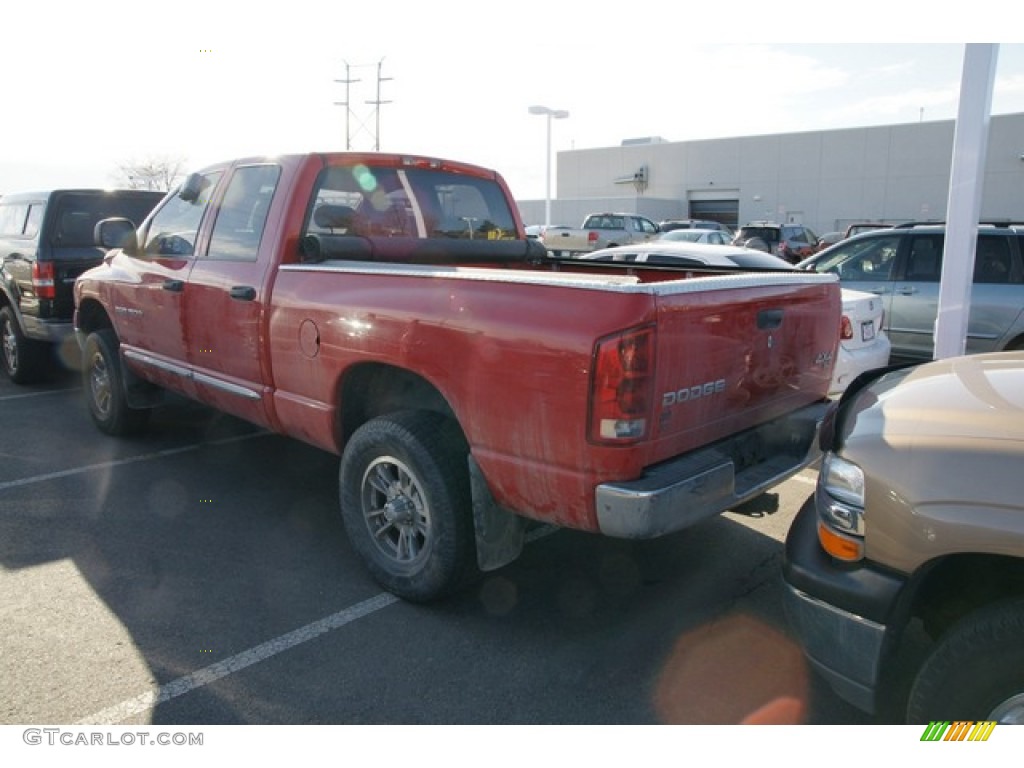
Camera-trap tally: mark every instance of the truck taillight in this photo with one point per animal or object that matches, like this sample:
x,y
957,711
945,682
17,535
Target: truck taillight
x,y
43,280
845,329
621,386
591,237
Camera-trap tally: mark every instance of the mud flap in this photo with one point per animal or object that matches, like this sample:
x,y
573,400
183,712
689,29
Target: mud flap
x,y
499,533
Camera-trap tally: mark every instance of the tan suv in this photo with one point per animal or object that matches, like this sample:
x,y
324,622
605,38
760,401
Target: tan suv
x,y
905,569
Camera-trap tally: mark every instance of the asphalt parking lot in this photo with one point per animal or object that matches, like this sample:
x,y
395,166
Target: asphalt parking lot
x,y
199,574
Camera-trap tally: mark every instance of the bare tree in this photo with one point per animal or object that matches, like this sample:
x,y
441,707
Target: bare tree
x,y
157,173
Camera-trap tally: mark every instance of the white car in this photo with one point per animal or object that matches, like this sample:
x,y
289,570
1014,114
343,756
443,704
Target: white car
x,y
710,236
863,344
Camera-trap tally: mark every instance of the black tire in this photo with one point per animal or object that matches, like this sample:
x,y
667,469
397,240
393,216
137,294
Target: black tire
x,y
103,382
976,671
23,359
405,502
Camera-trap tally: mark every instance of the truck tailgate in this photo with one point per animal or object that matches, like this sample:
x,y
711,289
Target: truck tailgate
x,y
737,351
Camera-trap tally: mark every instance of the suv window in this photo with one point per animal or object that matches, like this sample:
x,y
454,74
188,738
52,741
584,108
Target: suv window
x,y
797,234
12,219
992,260
769,234
35,219
868,259
924,259
77,215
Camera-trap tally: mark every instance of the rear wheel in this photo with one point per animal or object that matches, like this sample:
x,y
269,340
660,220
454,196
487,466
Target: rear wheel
x,y
23,359
104,387
405,503
976,671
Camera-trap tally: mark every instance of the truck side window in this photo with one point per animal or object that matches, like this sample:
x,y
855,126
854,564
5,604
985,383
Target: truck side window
x,y
243,213
173,230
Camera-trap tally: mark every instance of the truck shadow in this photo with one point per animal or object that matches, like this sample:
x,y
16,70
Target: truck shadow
x,y
209,551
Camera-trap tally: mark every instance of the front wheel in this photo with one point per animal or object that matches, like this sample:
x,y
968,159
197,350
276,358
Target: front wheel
x,y
976,671
405,503
104,387
23,359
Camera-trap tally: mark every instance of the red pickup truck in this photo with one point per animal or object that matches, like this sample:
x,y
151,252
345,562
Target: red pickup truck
x,y
391,309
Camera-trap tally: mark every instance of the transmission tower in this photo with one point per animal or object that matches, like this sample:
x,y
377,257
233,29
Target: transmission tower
x,y
362,118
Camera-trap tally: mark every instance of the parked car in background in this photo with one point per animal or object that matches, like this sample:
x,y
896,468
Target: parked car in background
x,y
791,242
903,265
827,240
710,236
863,345
861,227
904,571
46,241
668,253
542,231
601,230
674,224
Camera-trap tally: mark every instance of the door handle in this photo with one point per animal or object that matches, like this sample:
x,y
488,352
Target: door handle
x,y
174,285
243,292
908,291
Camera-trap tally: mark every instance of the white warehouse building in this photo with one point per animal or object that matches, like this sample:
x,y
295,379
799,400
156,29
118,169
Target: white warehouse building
x,y
821,179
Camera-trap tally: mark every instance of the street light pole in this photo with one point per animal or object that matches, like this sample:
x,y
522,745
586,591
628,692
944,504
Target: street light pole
x,y
556,114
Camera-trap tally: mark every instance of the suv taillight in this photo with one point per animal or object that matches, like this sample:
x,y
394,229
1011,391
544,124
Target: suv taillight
x,y
622,382
44,280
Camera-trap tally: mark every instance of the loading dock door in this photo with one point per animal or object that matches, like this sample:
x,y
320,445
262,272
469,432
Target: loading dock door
x,y
726,211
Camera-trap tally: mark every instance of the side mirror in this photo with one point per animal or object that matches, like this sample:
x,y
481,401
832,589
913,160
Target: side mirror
x,y
192,188
536,250
116,233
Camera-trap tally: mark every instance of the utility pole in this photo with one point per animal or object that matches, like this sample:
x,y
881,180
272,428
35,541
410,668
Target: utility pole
x,y
375,103
348,112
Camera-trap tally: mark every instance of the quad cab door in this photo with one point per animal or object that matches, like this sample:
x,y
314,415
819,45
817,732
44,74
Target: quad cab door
x,y
149,310
225,300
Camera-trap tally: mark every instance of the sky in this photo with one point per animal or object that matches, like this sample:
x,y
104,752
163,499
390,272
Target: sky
x,y
107,83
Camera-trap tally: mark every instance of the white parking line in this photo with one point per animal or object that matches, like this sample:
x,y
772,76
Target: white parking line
x,y
206,675
39,394
121,462
145,701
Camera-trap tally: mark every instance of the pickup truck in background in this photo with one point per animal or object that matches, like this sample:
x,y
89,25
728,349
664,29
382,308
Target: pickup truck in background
x,y
601,230
391,310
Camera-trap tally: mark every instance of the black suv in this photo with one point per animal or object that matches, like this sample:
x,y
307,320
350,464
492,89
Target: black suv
x,y
46,241
791,242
